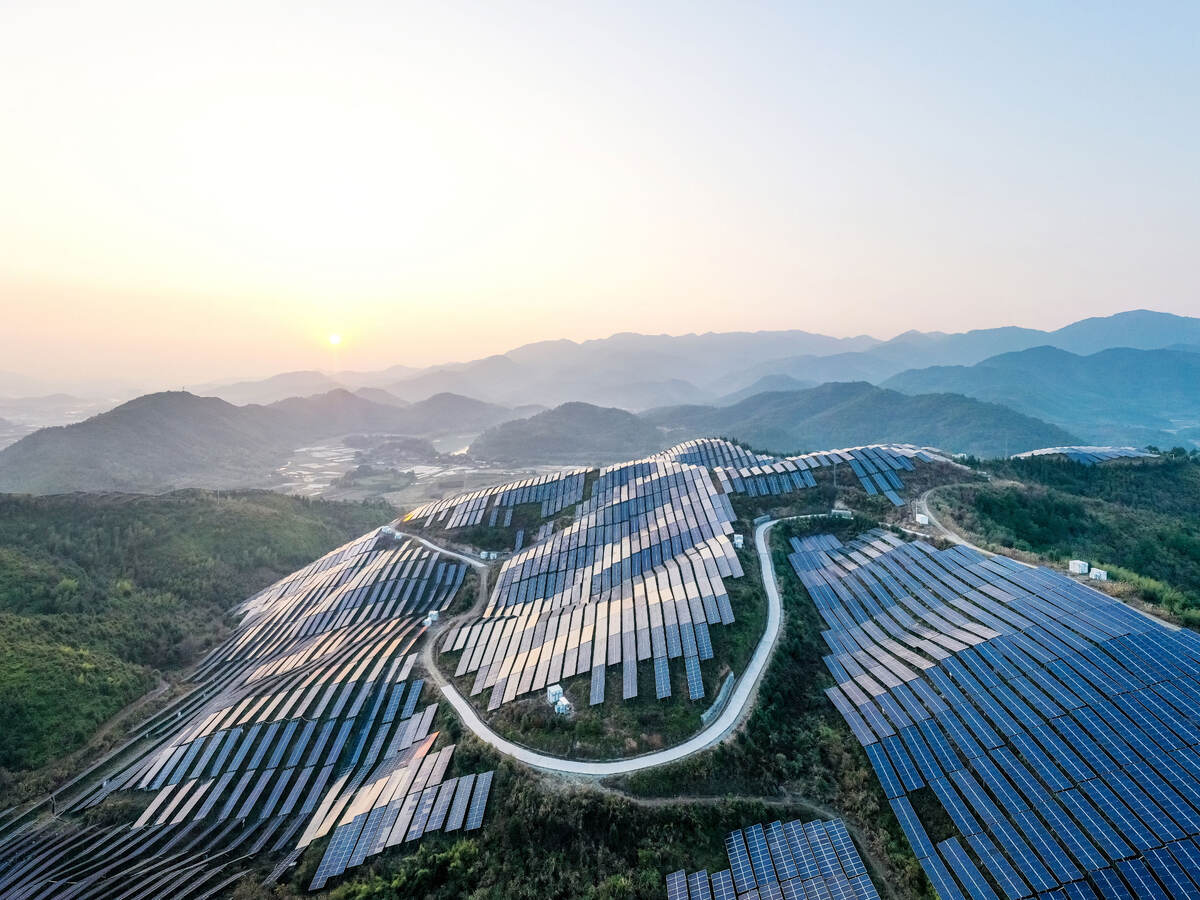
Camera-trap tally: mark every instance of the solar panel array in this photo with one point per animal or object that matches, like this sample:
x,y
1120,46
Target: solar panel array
x,y
290,723
554,492
782,861
1089,456
876,467
637,576
1057,728
402,800
712,453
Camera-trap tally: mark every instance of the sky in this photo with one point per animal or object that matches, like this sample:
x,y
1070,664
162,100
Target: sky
x,y
202,191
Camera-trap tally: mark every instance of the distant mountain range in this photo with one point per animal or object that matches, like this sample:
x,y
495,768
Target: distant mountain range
x,y
853,413
1116,396
781,422
176,439
638,372
1130,378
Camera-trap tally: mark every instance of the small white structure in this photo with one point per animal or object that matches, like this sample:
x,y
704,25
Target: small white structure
x,y
1098,575
841,513
1078,567
554,693
739,541
562,706
433,615
921,519
490,554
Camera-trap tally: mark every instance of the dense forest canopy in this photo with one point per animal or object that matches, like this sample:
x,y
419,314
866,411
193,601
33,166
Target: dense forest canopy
x,y
99,591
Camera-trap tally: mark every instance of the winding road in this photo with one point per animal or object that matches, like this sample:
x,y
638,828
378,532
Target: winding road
x,y
736,707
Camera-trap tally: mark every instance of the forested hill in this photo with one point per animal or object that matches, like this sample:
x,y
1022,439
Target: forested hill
x,y
98,591
848,414
571,433
1138,519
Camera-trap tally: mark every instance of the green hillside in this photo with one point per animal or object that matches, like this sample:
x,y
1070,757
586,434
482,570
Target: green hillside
x,y
98,592
1117,396
1139,519
571,433
853,413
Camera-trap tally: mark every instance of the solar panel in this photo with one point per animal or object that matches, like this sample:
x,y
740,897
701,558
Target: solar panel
x,y
722,886
483,784
662,678
739,862
695,681
677,887
458,808
760,855
698,887
442,805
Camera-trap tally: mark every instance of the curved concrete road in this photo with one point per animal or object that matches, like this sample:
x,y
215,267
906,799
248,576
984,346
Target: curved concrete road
x,y
738,704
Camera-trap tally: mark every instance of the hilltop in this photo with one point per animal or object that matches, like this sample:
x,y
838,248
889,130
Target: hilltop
x,y
570,433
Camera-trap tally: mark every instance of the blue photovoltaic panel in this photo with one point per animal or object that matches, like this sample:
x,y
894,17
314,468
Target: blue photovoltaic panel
x,y
697,885
694,680
414,694
662,678
966,872
677,888
776,861
781,856
739,862
437,818
760,855
722,886
483,784
458,808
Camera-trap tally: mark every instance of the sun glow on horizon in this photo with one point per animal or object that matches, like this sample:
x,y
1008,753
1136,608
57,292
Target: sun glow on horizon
x,y
335,339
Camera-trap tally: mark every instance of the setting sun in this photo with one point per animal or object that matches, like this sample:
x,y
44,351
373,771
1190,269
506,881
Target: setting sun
x,y
335,339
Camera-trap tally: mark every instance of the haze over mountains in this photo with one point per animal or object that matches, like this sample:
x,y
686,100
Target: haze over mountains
x,y
637,372
1133,378
176,439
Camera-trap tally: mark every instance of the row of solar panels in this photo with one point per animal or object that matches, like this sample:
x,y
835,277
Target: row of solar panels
x,y
661,615
637,576
712,453
289,716
555,492
1089,456
1058,729
386,579
875,466
782,861
404,798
